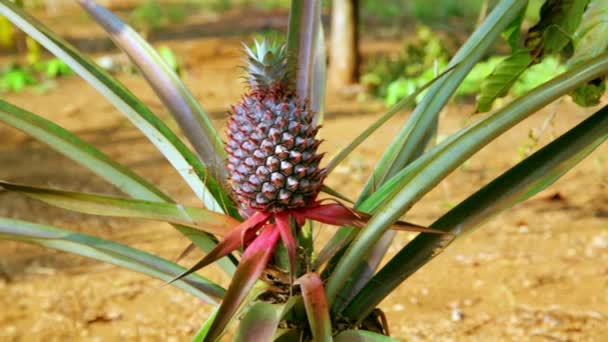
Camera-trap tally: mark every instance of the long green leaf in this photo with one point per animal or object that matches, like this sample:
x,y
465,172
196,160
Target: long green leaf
x,y
205,220
521,182
188,113
178,154
427,171
108,251
88,156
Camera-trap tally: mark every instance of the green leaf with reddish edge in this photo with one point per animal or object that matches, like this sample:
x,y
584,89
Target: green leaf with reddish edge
x,y
502,78
233,240
205,220
395,197
283,222
177,153
260,322
91,158
317,308
107,251
254,261
397,108
188,113
527,178
362,336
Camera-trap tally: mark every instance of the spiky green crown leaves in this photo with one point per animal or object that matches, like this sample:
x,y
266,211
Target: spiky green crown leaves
x,y
267,65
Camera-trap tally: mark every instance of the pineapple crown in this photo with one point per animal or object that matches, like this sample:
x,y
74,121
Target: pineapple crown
x,y
266,65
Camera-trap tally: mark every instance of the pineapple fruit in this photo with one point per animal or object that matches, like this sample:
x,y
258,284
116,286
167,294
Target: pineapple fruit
x,y
272,150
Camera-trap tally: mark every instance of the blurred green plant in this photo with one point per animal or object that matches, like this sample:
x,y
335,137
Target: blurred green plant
x,y
282,288
16,78
395,77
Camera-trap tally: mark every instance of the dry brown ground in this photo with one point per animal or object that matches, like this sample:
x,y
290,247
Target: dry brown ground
x,y
538,272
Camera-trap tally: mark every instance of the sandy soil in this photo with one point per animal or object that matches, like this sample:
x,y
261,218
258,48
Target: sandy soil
x,y
538,272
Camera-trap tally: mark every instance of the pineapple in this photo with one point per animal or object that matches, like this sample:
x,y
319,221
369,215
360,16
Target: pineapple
x,y
272,150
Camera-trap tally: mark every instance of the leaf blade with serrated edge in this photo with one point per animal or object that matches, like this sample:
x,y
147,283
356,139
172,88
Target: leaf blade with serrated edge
x,y
106,251
205,220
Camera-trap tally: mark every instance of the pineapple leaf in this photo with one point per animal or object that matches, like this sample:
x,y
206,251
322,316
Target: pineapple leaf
x,y
88,156
260,322
396,196
109,252
178,154
205,220
254,261
362,336
527,178
317,308
188,113
233,240
303,38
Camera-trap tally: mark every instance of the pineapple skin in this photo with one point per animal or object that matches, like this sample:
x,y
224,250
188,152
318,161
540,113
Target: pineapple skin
x,y
272,161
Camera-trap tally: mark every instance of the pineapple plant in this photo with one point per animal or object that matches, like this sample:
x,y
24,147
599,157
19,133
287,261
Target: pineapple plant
x,y
262,188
